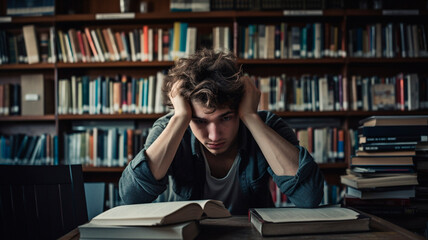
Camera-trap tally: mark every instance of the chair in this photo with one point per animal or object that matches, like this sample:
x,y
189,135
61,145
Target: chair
x,y
41,202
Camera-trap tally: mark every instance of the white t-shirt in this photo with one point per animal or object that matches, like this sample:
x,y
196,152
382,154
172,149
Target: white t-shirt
x,y
226,189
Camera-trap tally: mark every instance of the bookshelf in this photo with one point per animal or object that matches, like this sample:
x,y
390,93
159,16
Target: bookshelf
x,y
81,14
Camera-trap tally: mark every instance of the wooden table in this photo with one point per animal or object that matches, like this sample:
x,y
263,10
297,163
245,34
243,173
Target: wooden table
x,y
238,227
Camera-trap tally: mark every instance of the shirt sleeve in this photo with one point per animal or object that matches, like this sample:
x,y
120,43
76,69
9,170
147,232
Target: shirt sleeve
x,y
137,183
305,189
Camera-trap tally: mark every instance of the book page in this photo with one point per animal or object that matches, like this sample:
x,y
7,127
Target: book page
x,y
277,215
144,211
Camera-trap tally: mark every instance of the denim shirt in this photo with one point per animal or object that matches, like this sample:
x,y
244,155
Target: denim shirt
x,y
187,171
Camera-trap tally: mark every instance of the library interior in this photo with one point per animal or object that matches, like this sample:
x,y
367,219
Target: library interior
x,y
81,84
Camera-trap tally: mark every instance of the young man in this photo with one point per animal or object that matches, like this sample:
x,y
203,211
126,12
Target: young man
x,y
216,145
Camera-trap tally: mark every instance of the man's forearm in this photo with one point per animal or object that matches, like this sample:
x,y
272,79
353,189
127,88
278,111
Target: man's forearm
x,y
282,156
161,153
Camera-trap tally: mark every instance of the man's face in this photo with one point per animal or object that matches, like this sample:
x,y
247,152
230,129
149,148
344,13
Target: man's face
x,y
217,131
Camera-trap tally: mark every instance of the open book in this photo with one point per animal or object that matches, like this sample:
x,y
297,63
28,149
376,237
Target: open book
x,y
287,221
151,214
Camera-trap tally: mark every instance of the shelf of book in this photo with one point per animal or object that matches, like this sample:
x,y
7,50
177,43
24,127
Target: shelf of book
x,y
292,61
232,15
20,66
362,114
118,64
87,169
30,19
352,60
27,118
384,13
110,116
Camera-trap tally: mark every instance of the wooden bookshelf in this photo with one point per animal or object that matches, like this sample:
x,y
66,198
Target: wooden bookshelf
x,y
110,116
160,16
8,67
125,64
27,118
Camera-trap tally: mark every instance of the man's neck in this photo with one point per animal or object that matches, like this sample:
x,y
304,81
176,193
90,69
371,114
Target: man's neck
x,y
220,164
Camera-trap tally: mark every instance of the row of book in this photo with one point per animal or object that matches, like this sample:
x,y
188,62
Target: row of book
x,y
282,41
27,46
388,173
254,41
101,146
389,40
307,93
310,4
10,99
336,93
401,92
29,149
126,94
324,144
30,8
111,95
275,4
98,44
141,44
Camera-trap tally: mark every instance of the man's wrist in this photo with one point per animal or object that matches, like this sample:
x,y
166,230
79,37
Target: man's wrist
x,y
247,118
183,118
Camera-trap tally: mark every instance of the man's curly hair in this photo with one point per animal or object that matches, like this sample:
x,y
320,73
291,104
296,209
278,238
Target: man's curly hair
x,y
209,77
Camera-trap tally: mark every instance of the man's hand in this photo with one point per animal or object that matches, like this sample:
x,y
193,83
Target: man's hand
x,y
251,98
181,106
161,153
280,154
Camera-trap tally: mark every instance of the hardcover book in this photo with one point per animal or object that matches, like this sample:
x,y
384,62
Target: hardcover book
x,y
418,120
382,192
371,182
288,221
381,161
391,131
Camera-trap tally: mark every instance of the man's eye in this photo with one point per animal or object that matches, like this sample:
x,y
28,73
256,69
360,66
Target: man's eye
x,y
227,118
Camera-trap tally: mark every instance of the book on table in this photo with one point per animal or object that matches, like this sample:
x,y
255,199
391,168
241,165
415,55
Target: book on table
x,y
185,231
291,220
163,220
162,213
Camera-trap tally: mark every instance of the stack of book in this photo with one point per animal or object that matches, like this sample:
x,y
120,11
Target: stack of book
x,y
382,178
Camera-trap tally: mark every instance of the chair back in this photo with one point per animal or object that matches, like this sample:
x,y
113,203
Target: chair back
x,y
41,202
